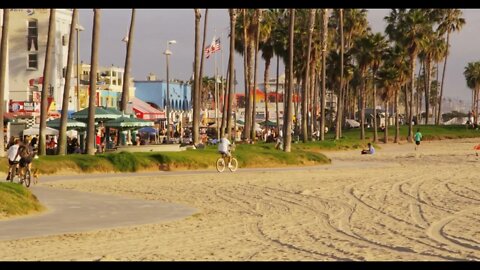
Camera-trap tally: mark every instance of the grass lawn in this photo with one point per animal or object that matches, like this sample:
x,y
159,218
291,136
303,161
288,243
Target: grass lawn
x,y
16,200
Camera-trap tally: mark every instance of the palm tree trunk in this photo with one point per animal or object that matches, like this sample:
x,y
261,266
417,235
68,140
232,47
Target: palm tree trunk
x,y
340,108
93,83
46,82
427,89
385,133
439,112
397,122
375,133
311,97
3,73
128,60
265,83
202,58
363,88
257,41
287,122
412,87
62,138
311,26
324,61
231,78
197,79
276,94
246,128
226,97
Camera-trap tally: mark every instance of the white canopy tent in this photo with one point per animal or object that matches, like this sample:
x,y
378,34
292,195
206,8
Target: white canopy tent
x,y
35,130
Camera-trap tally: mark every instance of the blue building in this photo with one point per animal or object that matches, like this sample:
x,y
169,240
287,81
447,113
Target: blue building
x,y
155,91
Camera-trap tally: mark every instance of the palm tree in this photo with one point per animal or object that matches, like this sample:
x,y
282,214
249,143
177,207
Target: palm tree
x,y
363,51
287,118
202,58
46,82
379,45
340,105
231,66
196,87
266,46
472,76
324,61
62,140
451,21
126,74
93,83
3,72
311,21
258,19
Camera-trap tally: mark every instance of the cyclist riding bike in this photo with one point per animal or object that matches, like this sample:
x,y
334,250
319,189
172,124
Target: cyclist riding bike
x,y
13,158
26,153
224,149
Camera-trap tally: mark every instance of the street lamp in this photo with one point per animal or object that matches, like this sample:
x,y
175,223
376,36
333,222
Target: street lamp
x,y
79,28
167,106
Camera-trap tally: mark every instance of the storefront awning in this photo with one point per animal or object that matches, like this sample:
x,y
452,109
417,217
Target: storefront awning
x,y
145,111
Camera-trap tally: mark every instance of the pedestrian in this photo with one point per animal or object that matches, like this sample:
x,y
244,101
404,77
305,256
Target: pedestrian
x,y
418,137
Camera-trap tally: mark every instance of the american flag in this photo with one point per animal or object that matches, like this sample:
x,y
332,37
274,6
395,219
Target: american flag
x,y
214,47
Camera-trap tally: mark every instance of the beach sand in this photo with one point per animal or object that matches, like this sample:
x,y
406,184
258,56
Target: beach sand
x,y
399,204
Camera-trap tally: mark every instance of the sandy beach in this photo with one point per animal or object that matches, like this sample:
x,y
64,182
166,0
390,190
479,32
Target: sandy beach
x,y
399,204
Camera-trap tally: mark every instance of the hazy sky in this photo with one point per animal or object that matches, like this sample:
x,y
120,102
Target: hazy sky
x,y
154,27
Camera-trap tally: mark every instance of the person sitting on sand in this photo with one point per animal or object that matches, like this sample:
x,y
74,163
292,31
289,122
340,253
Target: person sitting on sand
x,y
369,151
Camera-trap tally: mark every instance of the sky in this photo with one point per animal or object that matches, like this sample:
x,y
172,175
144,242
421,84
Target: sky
x,y
155,27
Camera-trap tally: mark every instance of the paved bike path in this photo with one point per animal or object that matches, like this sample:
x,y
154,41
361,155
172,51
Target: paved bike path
x,y
74,211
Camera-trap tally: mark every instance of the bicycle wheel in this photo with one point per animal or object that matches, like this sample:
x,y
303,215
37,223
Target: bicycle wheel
x,y
233,164
27,178
220,164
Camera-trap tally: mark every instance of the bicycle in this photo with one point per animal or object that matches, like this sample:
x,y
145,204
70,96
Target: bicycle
x,y
26,179
221,163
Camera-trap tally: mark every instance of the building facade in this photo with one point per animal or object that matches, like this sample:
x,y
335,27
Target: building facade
x,y
27,44
109,86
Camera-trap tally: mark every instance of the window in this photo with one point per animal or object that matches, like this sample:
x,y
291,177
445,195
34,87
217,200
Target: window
x,y
32,61
64,40
32,37
114,73
119,81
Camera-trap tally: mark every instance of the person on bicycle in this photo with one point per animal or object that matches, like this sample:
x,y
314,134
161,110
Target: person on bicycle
x,y
13,158
26,153
224,148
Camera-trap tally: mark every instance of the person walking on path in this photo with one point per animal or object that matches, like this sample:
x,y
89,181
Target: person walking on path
x,y
418,137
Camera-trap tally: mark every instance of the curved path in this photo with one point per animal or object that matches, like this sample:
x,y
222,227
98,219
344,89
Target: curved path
x,y
73,211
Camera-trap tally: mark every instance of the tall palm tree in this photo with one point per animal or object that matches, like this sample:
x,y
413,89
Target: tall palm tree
x,y
62,140
311,26
451,22
93,82
379,46
197,79
324,61
202,59
231,66
340,105
126,73
258,19
46,82
266,46
472,76
3,72
363,51
287,118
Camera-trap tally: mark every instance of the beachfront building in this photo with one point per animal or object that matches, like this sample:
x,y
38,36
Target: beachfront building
x,y
109,86
154,91
27,42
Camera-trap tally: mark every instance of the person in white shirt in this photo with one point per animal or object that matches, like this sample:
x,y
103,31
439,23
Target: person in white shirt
x,y
224,148
12,156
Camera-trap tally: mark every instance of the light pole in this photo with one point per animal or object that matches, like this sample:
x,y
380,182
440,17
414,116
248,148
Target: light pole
x,y
78,28
167,106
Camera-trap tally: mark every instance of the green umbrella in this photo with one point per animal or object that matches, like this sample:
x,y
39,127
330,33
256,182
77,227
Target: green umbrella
x,y
71,124
240,122
101,114
268,123
126,122
112,110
